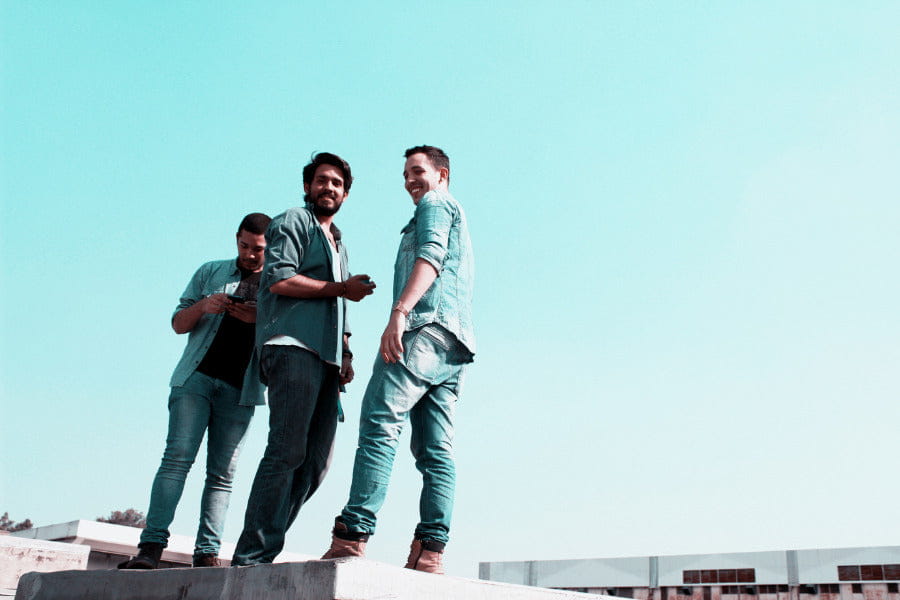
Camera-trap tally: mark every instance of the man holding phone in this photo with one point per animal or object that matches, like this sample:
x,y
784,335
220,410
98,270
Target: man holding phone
x,y
212,389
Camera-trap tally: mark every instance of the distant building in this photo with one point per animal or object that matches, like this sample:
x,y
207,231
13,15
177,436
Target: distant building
x,y
828,574
111,544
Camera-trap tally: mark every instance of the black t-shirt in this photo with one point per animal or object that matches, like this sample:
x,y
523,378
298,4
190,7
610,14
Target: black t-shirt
x,y
230,351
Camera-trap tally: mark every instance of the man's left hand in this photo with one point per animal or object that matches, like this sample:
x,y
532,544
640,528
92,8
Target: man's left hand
x,y
392,339
243,311
346,369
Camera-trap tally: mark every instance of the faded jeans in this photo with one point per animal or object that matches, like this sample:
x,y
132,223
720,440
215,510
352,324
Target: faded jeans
x,y
202,403
423,386
303,414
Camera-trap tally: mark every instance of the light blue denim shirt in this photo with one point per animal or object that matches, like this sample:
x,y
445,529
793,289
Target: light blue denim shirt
x,y
438,233
218,276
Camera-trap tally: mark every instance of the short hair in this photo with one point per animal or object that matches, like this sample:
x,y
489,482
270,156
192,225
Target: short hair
x,y
255,223
438,157
327,158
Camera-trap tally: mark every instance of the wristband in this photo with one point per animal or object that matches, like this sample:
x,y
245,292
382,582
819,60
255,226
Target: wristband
x,y
401,309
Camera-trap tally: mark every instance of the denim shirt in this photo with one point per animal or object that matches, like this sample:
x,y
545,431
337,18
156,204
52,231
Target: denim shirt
x,y
218,276
296,245
438,233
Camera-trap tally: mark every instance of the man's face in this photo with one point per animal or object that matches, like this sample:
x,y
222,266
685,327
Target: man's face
x,y
326,192
420,176
251,250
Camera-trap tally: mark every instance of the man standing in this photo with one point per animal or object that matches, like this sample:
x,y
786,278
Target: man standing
x,y
212,389
302,341
424,349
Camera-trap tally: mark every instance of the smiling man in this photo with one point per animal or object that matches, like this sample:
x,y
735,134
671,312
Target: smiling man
x,y
424,349
302,339
212,390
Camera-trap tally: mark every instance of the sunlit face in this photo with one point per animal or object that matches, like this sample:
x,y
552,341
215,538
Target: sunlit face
x,y
326,192
251,250
420,176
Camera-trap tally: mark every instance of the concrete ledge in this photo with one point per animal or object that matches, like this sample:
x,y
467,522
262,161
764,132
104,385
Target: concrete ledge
x,y
343,579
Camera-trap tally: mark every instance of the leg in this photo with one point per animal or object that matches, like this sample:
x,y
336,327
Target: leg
x,y
431,420
320,443
188,417
393,391
228,426
294,377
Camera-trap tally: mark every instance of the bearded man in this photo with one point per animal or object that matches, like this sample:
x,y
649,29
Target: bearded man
x,y
304,356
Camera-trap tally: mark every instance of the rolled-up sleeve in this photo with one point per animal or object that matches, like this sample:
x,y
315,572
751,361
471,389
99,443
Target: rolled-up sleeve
x,y
284,251
193,293
434,216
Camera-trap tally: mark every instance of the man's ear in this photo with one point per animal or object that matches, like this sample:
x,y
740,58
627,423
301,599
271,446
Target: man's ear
x,y
305,188
445,173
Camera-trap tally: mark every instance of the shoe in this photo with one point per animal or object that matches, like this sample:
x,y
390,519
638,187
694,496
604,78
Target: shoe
x,y
341,546
425,556
147,557
206,560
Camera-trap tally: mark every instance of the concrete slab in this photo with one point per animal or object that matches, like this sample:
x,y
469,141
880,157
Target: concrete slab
x,y
343,579
19,556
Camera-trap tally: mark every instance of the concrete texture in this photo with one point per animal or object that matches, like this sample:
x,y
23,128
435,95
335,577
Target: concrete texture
x,y
19,556
343,579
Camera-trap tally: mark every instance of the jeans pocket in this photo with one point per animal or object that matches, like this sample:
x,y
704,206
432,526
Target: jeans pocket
x,y
425,353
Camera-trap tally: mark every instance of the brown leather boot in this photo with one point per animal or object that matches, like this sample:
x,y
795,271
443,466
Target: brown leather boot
x,y
425,556
345,542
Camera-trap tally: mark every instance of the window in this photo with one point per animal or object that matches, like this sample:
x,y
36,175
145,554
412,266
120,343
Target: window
x,y
857,588
892,588
871,572
808,589
685,591
712,576
848,573
891,572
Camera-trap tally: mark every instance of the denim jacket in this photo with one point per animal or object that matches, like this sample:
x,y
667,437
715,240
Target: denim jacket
x,y
296,245
439,234
218,276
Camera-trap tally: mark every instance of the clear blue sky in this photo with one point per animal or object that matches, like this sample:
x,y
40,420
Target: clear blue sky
x,y
685,219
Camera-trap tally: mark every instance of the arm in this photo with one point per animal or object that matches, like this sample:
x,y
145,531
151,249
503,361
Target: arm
x,y
193,305
300,286
422,276
287,240
187,318
434,218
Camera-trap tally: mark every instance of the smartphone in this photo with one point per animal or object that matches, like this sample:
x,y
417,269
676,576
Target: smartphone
x,y
237,299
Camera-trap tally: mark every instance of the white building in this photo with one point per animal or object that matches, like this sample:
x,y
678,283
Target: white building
x,y
828,574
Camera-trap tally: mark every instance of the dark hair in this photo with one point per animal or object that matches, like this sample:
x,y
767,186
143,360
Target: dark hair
x,y
255,223
327,158
438,157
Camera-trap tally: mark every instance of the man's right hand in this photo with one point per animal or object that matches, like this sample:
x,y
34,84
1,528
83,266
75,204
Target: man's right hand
x,y
215,304
358,287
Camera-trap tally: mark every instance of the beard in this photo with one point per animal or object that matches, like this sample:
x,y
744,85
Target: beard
x,y
319,210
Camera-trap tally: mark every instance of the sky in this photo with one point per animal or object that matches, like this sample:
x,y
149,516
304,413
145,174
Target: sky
x,y
684,218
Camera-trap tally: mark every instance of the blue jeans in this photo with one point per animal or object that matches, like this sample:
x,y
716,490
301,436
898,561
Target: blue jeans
x,y
424,385
201,403
303,414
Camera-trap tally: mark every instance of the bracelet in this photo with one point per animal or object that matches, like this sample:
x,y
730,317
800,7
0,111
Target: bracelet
x,y
347,353
401,309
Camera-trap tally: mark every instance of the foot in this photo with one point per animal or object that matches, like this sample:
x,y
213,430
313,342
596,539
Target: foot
x,y
426,556
147,557
206,560
345,543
